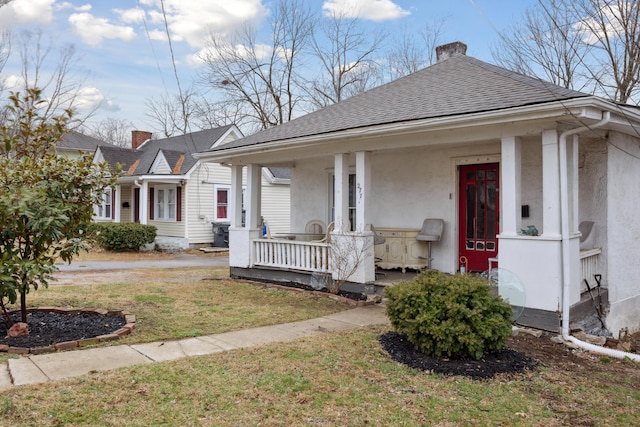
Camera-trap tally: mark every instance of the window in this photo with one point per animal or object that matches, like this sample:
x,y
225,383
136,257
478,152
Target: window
x,y
222,202
352,199
104,209
165,203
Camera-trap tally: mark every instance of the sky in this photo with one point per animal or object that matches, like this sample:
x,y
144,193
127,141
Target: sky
x,y
125,56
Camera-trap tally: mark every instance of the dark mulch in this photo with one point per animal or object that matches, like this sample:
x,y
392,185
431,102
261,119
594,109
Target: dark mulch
x,y
355,296
505,361
46,328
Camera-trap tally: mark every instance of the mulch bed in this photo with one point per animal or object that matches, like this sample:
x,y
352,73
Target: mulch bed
x,y
47,328
504,361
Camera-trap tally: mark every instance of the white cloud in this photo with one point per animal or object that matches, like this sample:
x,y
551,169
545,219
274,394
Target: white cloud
x,y
93,30
130,16
83,8
192,20
26,12
62,5
158,35
90,98
592,31
374,10
261,51
13,82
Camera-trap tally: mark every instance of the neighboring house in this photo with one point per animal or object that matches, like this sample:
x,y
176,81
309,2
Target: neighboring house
x,y
489,151
75,144
164,185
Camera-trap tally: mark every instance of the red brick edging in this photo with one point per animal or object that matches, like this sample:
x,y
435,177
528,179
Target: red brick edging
x,y
130,324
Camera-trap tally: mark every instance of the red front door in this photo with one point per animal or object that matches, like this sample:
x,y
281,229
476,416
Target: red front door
x,y
479,215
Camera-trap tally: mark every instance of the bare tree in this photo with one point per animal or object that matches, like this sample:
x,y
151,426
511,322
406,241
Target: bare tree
x,y
60,80
172,115
346,53
5,49
113,130
545,45
410,52
259,78
589,45
613,28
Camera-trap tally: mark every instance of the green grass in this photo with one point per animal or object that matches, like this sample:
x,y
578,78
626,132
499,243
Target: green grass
x,y
174,304
339,379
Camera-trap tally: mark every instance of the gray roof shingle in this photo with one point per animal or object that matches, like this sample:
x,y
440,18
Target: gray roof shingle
x,y
173,149
456,86
78,141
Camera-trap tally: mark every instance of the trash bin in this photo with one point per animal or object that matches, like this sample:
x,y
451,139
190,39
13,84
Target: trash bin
x,y
220,234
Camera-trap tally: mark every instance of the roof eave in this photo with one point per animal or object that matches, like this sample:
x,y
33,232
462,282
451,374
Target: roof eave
x,y
584,108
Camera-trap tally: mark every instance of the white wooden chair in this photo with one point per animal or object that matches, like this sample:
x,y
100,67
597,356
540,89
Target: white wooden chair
x,y
315,226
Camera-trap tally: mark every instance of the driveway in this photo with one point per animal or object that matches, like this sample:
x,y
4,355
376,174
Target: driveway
x,y
179,261
112,271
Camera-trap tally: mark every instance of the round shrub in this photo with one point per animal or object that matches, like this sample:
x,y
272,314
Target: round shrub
x,y
123,236
453,316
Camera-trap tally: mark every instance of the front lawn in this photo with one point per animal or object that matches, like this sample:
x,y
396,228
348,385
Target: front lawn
x,y
171,304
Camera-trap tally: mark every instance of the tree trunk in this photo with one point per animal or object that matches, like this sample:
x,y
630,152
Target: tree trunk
x,y
23,306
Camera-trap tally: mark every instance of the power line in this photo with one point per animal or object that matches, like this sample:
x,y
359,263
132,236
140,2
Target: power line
x,y
155,56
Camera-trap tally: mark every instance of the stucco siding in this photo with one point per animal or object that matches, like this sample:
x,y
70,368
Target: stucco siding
x,y
623,154
592,167
407,186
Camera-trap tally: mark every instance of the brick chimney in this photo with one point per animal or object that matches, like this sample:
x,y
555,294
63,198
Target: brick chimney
x,y
448,50
138,137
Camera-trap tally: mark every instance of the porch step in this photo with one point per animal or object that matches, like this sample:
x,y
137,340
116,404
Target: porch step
x,y
217,251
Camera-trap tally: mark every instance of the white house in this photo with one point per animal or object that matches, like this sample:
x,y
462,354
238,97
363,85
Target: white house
x,y
490,152
164,185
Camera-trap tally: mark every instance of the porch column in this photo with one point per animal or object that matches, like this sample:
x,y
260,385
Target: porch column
x,y
144,202
341,195
510,192
573,183
117,202
254,190
236,196
240,238
550,184
363,190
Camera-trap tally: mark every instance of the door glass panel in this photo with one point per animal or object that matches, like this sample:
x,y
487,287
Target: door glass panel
x,y
480,174
491,174
471,176
491,210
480,212
470,211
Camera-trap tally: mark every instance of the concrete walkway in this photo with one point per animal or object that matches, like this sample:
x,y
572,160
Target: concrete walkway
x,y
34,369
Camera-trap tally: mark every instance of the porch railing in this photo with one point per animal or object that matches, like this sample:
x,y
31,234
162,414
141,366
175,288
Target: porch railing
x,y
295,255
588,266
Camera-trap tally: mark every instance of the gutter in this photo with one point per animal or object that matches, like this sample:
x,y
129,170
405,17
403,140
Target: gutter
x,y
564,209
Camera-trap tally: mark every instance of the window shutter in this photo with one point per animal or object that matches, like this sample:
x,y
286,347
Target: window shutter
x,y
151,202
113,201
179,204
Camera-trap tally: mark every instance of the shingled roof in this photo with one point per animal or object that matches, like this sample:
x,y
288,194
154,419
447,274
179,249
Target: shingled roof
x,y
78,141
457,85
178,152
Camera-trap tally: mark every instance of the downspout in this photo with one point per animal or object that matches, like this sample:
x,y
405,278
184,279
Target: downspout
x,y
564,209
